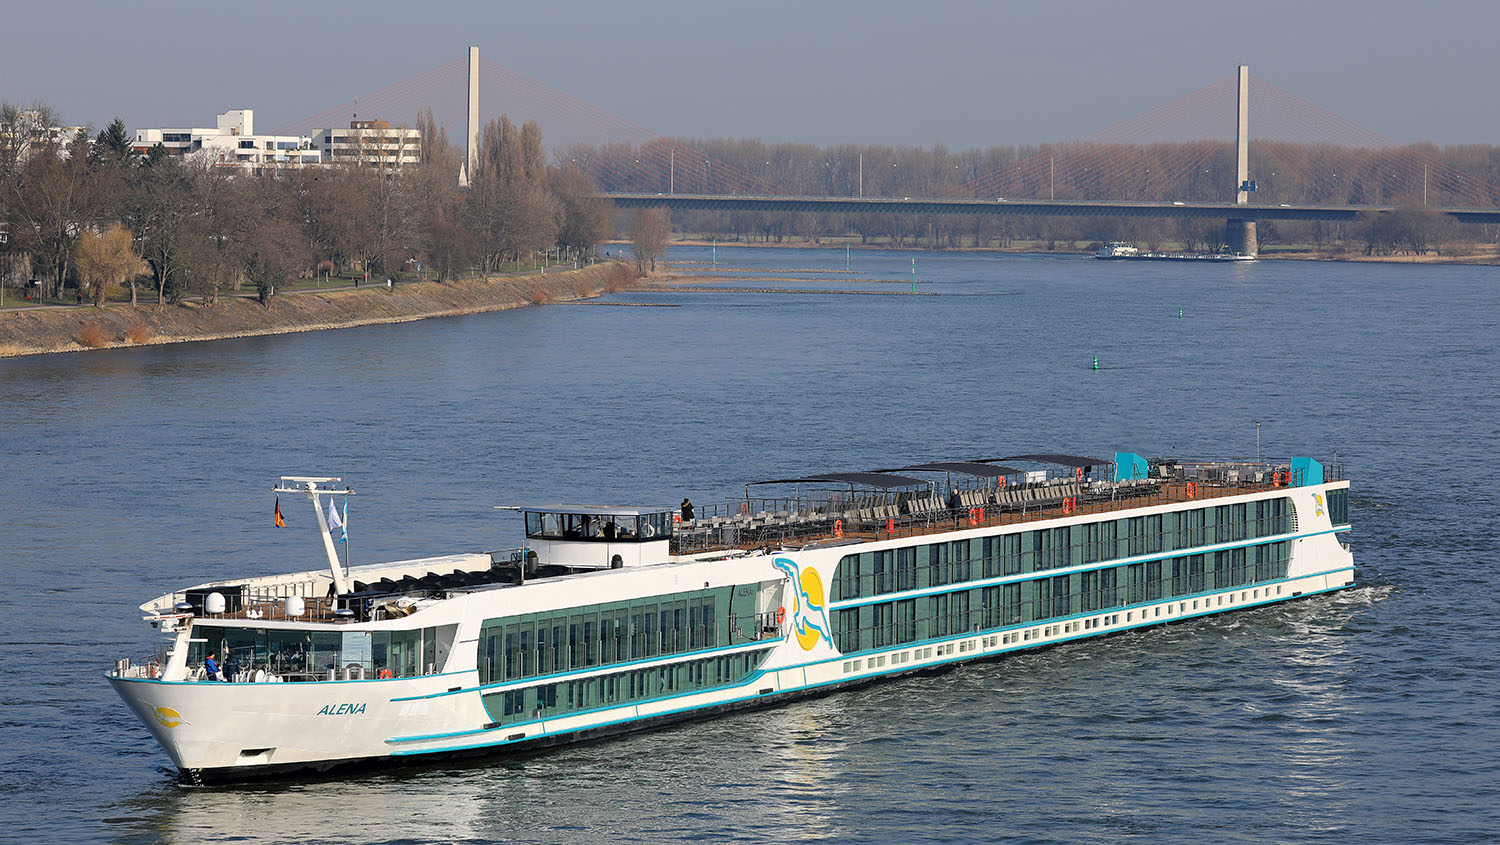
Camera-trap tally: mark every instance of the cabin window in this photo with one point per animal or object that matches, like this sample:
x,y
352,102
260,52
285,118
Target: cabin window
x,y
561,697
568,639
1338,506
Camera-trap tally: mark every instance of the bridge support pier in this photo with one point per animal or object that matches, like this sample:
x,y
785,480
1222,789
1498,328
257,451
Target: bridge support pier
x,y
1240,236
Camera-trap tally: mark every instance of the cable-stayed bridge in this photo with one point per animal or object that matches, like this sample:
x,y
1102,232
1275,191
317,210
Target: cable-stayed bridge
x,y
1055,208
1239,149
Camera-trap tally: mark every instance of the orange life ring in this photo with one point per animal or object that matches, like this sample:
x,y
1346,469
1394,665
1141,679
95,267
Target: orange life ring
x,y
890,525
838,528
973,516
676,519
1080,473
384,673
780,614
1070,504
1001,481
1192,489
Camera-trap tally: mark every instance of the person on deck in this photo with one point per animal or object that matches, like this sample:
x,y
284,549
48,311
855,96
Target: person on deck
x,y
687,510
211,667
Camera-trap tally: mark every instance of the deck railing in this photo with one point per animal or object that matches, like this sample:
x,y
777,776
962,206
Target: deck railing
x,y
753,523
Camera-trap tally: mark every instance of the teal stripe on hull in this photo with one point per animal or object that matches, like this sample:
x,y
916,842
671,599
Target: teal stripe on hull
x,y
906,668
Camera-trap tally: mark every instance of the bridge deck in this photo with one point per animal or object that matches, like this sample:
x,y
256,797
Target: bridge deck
x,y
927,205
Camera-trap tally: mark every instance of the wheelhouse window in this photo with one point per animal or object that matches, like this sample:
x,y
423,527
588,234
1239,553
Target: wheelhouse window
x,y
598,527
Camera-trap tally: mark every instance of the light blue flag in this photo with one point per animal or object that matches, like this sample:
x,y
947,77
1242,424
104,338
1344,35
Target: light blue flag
x,y
345,526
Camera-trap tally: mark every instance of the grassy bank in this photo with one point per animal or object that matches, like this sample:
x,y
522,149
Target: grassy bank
x,y
38,331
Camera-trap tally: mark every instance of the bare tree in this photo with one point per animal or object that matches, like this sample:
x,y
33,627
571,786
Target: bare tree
x,y
274,248
160,211
588,218
650,229
509,209
50,197
21,129
214,252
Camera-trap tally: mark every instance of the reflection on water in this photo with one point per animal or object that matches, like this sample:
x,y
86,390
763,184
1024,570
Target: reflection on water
x,y
799,745
353,810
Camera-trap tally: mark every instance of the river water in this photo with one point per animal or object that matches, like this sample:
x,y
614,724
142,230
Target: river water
x,y
1371,714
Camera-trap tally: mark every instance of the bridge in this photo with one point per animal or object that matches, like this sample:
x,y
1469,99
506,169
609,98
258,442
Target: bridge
x,y
1058,208
1188,158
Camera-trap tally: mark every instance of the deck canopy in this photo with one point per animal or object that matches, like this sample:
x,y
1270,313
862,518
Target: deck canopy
x,y
1077,461
884,480
975,468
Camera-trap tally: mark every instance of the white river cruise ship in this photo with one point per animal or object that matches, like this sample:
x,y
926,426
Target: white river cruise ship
x,y
617,619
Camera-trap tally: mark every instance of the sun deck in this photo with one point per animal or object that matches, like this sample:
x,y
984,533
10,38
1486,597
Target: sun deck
x,y
748,524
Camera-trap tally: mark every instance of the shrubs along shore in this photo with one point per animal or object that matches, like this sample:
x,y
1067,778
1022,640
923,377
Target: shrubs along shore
x,y
37,331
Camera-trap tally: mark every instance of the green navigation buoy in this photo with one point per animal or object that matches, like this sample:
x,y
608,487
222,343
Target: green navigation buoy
x,y
1179,313
1096,362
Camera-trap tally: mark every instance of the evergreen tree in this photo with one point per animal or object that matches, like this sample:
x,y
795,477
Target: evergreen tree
x,y
113,143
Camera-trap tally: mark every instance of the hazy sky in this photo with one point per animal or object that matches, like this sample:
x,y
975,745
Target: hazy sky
x,y
959,72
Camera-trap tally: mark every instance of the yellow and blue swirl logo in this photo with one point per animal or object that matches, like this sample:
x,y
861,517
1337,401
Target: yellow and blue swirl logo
x,y
1318,500
168,717
809,610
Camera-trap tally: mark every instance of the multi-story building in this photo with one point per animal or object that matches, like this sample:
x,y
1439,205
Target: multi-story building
x,y
370,142
233,143
29,129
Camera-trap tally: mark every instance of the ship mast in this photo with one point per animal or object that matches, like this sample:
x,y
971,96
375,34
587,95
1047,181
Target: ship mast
x,y
308,486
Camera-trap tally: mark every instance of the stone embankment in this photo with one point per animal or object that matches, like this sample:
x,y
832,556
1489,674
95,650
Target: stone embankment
x,y
37,331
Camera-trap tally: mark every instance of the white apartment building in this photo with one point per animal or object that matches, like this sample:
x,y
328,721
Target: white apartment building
x,y
370,142
29,130
233,143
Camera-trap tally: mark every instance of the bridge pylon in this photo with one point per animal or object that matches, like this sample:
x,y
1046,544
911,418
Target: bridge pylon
x,y
471,133
1239,233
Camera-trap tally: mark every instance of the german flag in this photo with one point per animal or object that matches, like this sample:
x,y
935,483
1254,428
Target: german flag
x,y
280,523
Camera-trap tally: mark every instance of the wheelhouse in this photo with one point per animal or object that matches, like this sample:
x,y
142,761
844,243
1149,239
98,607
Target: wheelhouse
x,y
597,535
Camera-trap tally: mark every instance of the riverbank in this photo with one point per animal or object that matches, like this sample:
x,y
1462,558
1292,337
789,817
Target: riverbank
x,y
41,331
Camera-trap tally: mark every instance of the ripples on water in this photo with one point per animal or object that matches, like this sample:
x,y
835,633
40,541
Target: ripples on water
x,y
1369,715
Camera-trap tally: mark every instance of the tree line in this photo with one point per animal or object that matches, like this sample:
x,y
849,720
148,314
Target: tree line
x,y
92,214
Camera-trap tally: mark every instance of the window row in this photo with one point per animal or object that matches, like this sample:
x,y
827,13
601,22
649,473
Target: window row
x,y
886,624
575,638
555,699
957,561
